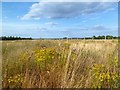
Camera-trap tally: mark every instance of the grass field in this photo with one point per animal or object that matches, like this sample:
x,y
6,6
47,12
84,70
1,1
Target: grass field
x,y
60,64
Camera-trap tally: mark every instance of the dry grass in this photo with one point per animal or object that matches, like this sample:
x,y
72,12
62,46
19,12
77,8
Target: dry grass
x,y
60,64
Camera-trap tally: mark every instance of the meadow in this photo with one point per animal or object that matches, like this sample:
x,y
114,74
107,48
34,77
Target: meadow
x,y
60,64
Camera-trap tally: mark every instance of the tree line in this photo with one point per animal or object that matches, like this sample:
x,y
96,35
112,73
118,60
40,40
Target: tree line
x,y
94,37
13,38
105,37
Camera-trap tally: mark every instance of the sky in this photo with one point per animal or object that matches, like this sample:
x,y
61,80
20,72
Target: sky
x,y
59,19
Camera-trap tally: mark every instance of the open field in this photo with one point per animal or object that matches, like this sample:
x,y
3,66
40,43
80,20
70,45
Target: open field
x,y
60,64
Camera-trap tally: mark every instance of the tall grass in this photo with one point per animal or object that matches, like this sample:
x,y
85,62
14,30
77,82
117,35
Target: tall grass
x,y
60,64
0,65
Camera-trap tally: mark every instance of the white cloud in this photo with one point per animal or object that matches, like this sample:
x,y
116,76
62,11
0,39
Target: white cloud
x,y
60,0
18,16
36,18
42,28
51,23
80,0
95,28
100,27
65,9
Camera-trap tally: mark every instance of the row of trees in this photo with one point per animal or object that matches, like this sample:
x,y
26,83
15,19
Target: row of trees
x,y
105,37
94,37
13,38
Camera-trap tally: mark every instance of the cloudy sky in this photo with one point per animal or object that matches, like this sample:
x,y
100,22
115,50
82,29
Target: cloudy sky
x,y
59,19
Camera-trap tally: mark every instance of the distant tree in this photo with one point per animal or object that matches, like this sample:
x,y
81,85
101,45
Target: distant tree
x,y
14,38
94,37
64,37
109,37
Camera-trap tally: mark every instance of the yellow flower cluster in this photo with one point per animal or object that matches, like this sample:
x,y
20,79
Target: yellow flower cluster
x,y
105,76
97,68
44,54
15,79
101,75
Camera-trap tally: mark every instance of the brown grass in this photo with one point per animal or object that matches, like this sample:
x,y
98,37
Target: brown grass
x,y
60,64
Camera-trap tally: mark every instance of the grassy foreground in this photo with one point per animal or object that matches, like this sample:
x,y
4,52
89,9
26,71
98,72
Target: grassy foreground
x,y
60,64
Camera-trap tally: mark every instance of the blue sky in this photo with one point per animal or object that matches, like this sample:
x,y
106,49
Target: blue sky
x,y
52,20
